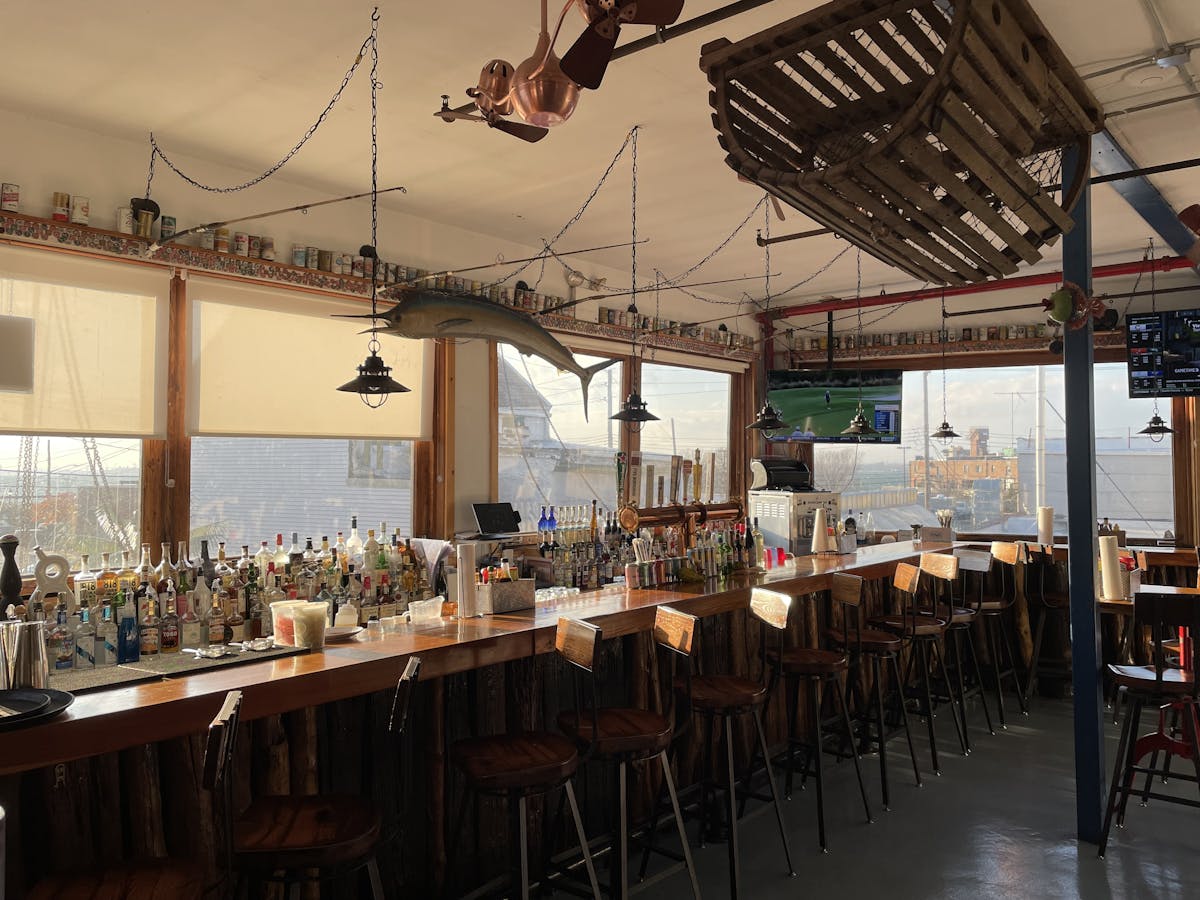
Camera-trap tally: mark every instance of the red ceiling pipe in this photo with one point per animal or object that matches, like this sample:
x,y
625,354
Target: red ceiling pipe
x,y
1163,264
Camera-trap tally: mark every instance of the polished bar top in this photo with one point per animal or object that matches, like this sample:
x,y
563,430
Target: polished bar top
x,y
121,717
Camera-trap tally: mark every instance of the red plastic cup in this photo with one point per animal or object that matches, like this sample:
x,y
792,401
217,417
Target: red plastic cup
x,y
780,556
768,557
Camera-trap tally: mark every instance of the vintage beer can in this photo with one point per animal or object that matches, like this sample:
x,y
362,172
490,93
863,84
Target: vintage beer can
x,y
255,246
166,228
356,266
61,207
221,240
10,197
267,247
312,257
241,243
325,260
125,220
299,255
207,240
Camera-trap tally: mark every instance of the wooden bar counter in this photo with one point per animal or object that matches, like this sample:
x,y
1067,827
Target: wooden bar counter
x,y
114,719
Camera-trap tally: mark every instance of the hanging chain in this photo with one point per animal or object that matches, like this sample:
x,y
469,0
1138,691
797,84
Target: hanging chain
x,y
945,413
156,150
858,342
633,216
1153,304
375,85
767,250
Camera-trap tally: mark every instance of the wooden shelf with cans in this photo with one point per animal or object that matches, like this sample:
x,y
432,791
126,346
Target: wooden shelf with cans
x,y
922,350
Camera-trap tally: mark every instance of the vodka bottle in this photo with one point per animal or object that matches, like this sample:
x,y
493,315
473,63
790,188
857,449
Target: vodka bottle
x,y
86,585
85,639
169,627
150,636
128,646
106,637
370,553
60,641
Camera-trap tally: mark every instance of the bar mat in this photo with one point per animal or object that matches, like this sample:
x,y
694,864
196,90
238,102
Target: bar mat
x,y
170,665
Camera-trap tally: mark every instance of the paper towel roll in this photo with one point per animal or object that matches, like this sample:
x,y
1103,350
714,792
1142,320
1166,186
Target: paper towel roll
x,y
1045,525
468,604
820,531
1110,569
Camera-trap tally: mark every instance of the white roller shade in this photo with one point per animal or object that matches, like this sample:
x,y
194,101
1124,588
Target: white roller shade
x,y
99,345
267,362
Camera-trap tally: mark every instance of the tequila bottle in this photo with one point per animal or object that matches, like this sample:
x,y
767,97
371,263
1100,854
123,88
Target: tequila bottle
x,y
127,580
86,589
106,580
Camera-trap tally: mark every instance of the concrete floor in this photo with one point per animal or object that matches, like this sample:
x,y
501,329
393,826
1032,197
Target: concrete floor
x,y
997,824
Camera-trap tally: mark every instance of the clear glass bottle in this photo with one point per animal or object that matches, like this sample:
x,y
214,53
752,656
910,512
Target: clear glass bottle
x,y
60,640
185,568
262,559
354,544
166,570
127,580
143,596
106,637
169,627
274,594
339,549
370,552
223,571
106,580
145,570
216,622
309,558
324,554
150,635
85,638
281,556
86,589
235,622
192,633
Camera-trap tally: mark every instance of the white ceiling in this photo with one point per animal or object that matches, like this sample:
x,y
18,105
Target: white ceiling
x,y
238,83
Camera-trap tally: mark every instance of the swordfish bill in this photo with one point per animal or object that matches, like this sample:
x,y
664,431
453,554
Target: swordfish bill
x,y
422,315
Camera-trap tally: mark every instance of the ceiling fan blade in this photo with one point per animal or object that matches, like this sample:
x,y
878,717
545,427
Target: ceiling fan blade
x,y
654,12
587,60
525,132
448,114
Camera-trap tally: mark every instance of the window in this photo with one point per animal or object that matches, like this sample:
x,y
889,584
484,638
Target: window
x,y
70,496
548,452
246,490
693,410
1002,467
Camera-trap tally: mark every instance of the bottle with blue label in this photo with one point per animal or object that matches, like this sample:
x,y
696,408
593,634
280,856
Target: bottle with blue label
x,y
106,638
85,639
128,641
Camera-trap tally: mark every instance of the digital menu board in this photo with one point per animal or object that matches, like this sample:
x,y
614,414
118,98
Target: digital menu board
x,y
1164,353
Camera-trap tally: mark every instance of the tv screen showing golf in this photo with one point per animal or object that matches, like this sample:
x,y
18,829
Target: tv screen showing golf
x,y
819,404
1164,353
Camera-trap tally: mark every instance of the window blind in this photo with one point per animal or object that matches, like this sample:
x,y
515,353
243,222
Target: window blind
x,y
266,362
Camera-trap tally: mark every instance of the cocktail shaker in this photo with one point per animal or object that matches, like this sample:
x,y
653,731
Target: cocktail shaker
x,y
23,662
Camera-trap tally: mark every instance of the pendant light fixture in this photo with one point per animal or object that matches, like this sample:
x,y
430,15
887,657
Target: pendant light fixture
x,y
859,425
633,411
374,382
769,418
944,432
1156,429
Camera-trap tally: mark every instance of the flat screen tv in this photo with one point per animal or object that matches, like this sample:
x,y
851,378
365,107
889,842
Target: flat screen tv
x,y
1164,353
819,403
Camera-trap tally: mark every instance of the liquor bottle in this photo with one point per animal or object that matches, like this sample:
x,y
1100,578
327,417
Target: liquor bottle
x,y
85,585
208,569
191,629
281,556
216,623
759,544
244,564
273,594
324,595
262,559
324,554
144,570
85,639
60,641
106,580
235,622
223,571
128,647
339,550
387,600
169,627
127,580
106,637
295,555
354,545
150,636
370,553
542,542
186,569
594,525
166,570
383,561
552,527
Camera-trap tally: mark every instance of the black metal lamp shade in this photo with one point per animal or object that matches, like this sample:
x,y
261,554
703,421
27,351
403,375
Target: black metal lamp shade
x,y
374,382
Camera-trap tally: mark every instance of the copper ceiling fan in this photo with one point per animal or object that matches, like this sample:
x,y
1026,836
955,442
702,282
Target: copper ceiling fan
x,y
544,92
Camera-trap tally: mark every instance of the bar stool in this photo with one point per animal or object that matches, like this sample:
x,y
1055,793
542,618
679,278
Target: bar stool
x,y
882,648
973,569
920,632
942,569
1158,686
620,735
517,767
1121,609
818,668
993,608
724,698
1044,583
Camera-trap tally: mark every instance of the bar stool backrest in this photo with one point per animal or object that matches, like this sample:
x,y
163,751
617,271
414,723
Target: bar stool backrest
x,y
675,633
578,643
1042,579
1165,613
907,581
403,698
219,748
770,607
1007,554
943,569
846,591
974,567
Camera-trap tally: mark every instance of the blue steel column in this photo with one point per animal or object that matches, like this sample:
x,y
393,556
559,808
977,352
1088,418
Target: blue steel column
x,y
1081,526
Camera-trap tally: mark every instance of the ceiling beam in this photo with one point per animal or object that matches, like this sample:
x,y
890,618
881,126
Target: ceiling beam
x,y
1109,157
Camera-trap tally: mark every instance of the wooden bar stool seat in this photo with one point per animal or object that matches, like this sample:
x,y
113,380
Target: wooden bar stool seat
x,y
532,761
301,832
919,625
872,640
618,731
718,693
959,615
155,879
1142,678
806,661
